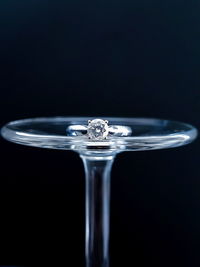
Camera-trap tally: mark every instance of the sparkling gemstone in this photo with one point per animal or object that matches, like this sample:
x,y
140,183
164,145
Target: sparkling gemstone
x,y
97,129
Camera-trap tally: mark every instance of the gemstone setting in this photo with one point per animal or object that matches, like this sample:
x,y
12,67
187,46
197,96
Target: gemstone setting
x,y
97,129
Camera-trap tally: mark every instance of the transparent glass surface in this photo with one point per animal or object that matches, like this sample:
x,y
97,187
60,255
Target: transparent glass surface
x,y
146,134
98,156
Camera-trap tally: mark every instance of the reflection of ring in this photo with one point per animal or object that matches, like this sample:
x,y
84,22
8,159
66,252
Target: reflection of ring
x,y
98,130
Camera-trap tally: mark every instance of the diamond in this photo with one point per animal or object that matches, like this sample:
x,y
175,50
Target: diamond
x,y
97,129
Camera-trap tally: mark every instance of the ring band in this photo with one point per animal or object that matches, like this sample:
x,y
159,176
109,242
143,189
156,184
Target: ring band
x,y
98,129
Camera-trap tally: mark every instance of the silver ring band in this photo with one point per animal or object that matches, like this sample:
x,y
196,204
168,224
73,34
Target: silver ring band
x,y
98,130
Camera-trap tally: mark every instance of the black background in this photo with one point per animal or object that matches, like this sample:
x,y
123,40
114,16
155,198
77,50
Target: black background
x,y
100,58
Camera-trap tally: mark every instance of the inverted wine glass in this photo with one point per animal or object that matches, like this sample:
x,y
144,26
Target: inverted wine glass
x,y
98,157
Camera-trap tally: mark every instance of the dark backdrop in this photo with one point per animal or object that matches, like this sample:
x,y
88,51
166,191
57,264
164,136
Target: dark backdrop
x,y
100,58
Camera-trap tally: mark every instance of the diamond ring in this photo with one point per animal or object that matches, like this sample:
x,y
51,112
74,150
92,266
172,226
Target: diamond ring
x,y
98,129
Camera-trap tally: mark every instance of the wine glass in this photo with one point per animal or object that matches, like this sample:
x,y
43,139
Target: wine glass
x,y
98,157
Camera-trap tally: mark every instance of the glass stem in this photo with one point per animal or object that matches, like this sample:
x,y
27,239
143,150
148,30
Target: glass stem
x,y
97,170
